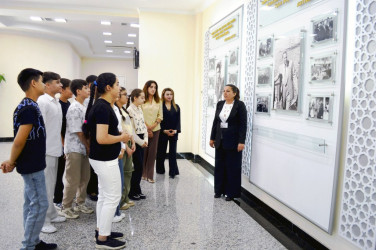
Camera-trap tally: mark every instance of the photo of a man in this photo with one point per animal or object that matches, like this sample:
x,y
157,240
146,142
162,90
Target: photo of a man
x,y
219,79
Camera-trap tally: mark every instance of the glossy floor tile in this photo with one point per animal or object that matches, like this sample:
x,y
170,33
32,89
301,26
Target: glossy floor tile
x,y
178,213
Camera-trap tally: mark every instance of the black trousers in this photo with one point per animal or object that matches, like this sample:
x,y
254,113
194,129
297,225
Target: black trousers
x,y
161,155
59,187
227,172
138,159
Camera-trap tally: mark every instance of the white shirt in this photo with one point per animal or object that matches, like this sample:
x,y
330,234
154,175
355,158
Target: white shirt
x,y
53,118
137,117
120,128
225,112
75,120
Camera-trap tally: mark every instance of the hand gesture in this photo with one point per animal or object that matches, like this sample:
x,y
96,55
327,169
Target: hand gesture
x,y
7,166
240,147
211,143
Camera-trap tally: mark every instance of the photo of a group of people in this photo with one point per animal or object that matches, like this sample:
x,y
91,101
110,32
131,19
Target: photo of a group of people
x,y
323,29
322,68
265,47
262,104
264,76
319,108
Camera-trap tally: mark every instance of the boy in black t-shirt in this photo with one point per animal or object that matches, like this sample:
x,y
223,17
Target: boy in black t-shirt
x,y
28,156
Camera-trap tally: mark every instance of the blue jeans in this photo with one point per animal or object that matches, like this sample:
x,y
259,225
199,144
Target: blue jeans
x,y
121,168
35,208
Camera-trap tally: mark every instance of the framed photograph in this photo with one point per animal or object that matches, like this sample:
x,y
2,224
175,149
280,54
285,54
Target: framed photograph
x,y
324,29
263,104
212,63
233,57
233,78
264,76
219,80
323,68
288,61
265,47
320,108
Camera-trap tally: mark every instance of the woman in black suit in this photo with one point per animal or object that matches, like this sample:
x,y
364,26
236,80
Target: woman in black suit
x,y
228,137
170,127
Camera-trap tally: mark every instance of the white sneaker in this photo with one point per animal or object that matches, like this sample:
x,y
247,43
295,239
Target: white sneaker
x,y
49,229
58,206
68,213
84,209
118,218
58,219
122,215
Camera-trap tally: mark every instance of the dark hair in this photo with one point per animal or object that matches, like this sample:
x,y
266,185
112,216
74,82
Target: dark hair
x,y
26,76
65,82
235,90
147,86
135,93
77,84
99,88
50,76
121,108
173,97
91,78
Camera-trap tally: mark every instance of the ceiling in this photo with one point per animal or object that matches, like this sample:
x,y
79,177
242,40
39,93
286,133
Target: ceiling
x,y
83,29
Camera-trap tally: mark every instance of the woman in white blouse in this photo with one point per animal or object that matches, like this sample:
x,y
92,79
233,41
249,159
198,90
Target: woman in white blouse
x,y
228,137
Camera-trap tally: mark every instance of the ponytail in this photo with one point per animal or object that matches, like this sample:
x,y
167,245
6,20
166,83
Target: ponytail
x,y
93,89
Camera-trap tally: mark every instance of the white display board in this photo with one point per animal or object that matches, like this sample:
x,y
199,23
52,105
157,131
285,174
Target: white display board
x,y
298,108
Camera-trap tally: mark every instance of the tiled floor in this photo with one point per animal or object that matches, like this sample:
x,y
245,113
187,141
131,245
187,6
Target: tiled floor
x,y
178,213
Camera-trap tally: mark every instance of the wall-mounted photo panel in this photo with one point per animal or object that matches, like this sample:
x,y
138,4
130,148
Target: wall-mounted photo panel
x,y
233,57
287,71
324,29
320,108
265,47
212,63
264,76
323,68
263,104
233,78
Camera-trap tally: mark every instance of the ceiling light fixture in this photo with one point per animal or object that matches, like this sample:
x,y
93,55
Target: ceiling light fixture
x,y
130,43
109,51
107,41
60,20
36,18
107,33
127,52
105,22
132,35
135,25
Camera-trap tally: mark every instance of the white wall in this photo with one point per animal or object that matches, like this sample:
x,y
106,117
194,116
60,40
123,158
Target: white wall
x,y
18,52
120,67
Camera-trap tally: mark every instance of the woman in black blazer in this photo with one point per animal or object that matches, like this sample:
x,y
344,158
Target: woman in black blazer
x,y
228,137
170,127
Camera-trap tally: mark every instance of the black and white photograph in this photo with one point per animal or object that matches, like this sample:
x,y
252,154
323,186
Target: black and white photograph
x,y
287,60
324,29
264,76
262,104
233,57
265,48
322,69
319,108
233,78
212,64
219,79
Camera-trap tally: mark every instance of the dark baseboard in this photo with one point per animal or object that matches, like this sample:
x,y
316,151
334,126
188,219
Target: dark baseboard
x,y
284,226
6,139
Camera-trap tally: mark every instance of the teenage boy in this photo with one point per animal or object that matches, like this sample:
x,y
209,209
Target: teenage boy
x,y
66,93
76,149
52,115
28,156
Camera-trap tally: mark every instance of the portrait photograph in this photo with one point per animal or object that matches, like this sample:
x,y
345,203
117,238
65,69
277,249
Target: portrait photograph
x,y
287,62
322,69
324,29
233,57
264,76
319,108
233,78
262,104
212,64
265,47
219,80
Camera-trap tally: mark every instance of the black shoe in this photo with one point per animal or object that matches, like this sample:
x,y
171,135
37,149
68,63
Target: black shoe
x,y
172,176
45,246
142,196
160,172
229,199
110,244
93,197
217,196
113,235
134,197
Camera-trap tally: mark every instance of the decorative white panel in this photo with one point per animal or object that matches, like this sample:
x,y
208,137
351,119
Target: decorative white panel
x,y
250,74
205,91
358,214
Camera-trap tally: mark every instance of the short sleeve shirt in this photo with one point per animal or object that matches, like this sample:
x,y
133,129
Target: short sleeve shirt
x,y
103,113
75,120
33,156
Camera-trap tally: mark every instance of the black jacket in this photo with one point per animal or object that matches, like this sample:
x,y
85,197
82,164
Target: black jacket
x,y
171,120
236,131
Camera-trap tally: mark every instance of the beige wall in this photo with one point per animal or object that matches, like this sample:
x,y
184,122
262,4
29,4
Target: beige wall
x,y
167,43
120,67
19,52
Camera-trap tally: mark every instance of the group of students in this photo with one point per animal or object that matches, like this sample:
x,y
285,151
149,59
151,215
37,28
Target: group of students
x,y
101,129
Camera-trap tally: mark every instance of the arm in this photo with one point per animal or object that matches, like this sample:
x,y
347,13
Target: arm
x,y
160,113
83,140
214,128
243,125
103,137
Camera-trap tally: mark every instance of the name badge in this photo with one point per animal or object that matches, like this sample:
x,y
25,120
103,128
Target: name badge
x,y
224,125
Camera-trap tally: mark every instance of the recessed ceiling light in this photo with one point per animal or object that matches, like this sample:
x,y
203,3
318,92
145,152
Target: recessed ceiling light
x,y
130,43
135,25
109,51
108,41
36,18
127,52
105,22
107,33
60,20
132,35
